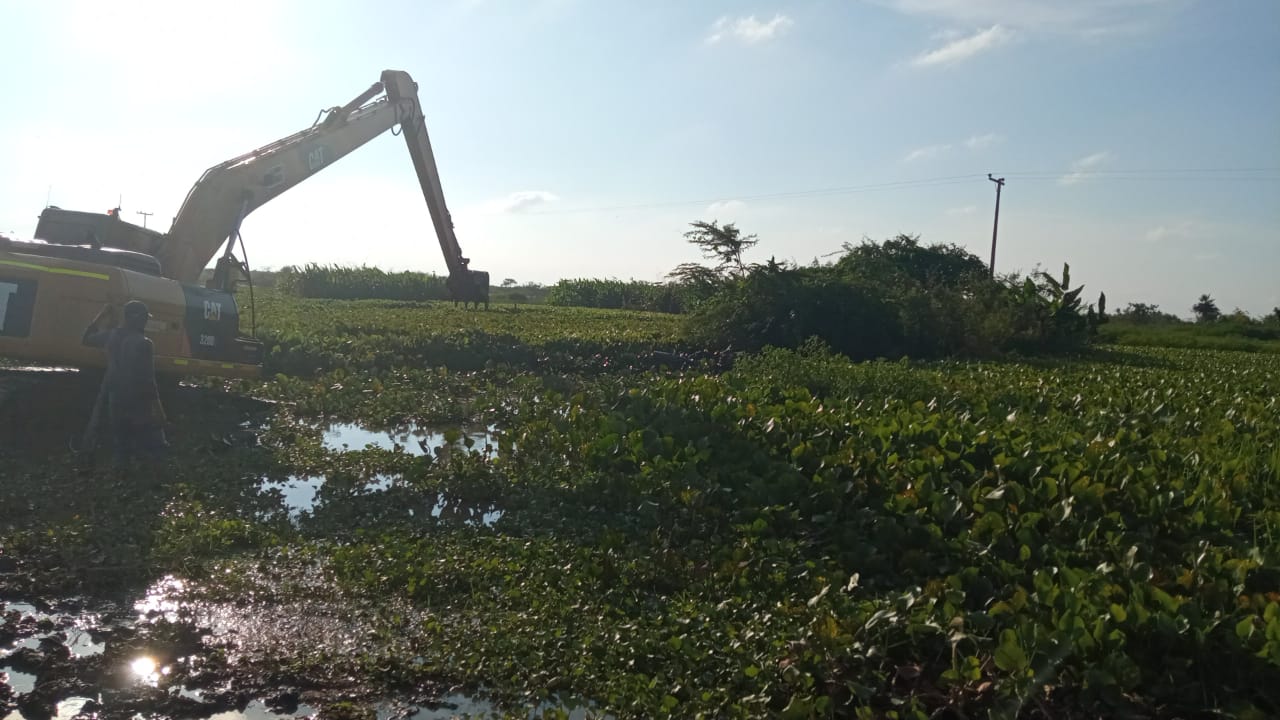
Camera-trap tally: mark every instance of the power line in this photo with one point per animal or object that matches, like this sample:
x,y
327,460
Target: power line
x,y
925,182
1251,174
1150,171
1217,174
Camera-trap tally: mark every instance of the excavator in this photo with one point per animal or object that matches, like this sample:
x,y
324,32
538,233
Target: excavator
x,y
53,287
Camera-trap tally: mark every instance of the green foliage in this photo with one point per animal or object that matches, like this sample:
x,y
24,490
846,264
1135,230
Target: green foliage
x,y
365,338
800,536
351,283
1235,332
724,244
617,295
783,307
903,261
1206,310
1145,314
899,299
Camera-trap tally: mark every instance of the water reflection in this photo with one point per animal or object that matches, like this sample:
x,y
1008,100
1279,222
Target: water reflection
x,y
20,682
256,710
298,493
145,671
161,599
303,496
410,439
71,707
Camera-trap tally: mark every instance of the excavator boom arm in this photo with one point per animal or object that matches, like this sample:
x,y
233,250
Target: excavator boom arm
x,y
401,89
226,193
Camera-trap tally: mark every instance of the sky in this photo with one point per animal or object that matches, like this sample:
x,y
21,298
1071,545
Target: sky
x,y
1139,139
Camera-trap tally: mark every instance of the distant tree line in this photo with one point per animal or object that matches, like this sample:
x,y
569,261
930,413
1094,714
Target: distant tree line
x,y
1146,324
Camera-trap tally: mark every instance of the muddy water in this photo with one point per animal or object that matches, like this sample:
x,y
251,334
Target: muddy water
x,y
140,684
113,660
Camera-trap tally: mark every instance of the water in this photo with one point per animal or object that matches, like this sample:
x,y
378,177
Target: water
x,y
309,622
256,710
21,682
77,629
301,498
299,494
453,706
410,439
82,645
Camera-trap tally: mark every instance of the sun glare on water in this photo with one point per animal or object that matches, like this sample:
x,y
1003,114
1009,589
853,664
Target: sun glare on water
x,y
144,670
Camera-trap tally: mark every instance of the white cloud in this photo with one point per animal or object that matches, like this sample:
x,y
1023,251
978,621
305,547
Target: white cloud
x,y
1081,168
748,29
966,210
521,201
965,47
726,207
1176,230
977,142
1089,19
927,151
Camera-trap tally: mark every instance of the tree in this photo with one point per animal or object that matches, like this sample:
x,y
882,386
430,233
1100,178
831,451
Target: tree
x,y
1146,313
932,265
695,275
724,244
1273,318
509,282
1206,310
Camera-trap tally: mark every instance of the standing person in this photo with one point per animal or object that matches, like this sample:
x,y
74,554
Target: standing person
x,y
135,412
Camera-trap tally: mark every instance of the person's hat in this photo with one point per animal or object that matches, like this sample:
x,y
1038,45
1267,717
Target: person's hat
x,y
136,309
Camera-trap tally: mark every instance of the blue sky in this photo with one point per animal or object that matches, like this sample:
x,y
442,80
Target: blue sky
x,y
579,138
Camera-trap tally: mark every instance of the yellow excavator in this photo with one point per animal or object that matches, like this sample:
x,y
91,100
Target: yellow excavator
x,y
52,288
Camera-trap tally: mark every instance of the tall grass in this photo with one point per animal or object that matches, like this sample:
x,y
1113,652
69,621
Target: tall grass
x,y
617,295
359,283
1224,334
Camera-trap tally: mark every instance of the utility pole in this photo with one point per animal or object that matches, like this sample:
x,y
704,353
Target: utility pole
x,y
144,215
995,227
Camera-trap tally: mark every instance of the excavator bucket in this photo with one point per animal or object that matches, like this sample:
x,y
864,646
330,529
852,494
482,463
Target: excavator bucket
x,y
469,286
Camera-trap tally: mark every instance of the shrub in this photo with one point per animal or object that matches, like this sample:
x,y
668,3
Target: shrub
x,y
898,299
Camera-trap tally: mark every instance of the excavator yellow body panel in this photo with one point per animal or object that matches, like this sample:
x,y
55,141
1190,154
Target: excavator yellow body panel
x,y
47,302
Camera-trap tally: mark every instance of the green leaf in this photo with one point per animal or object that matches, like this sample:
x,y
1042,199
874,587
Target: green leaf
x,y
1009,655
751,671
